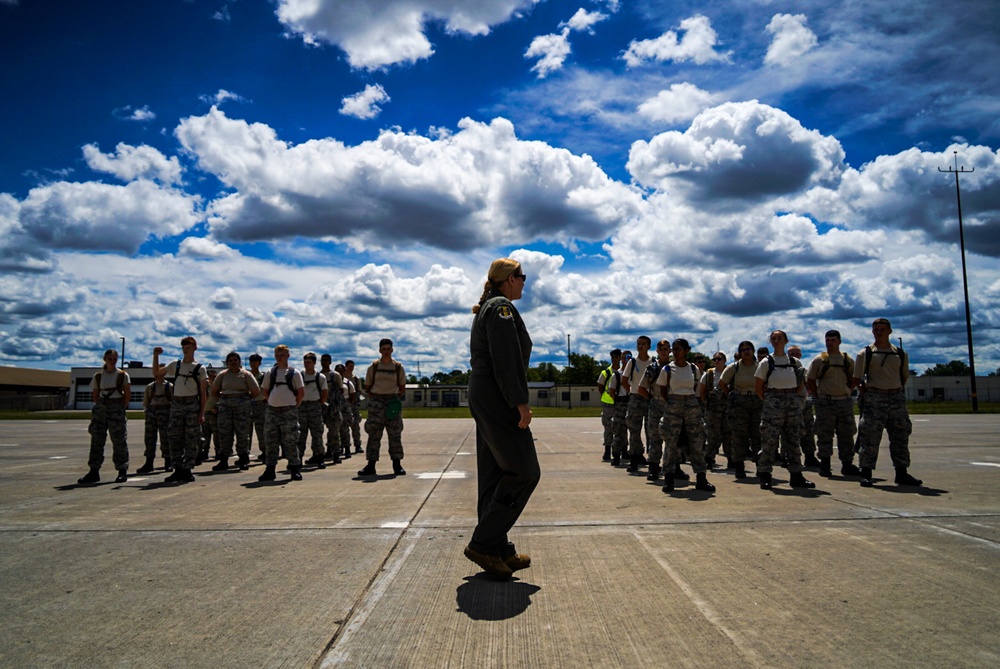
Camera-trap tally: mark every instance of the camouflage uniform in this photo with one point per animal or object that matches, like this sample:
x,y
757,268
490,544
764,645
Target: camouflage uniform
x,y
235,417
884,412
744,416
311,422
682,415
185,431
835,415
376,423
717,430
807,442
635,414
654,442
210,428
157,420
258,413
108,417
332,417
282,428
781,419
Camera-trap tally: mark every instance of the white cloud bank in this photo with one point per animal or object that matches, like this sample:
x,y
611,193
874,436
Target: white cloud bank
x,y
365,104
697,45
792,39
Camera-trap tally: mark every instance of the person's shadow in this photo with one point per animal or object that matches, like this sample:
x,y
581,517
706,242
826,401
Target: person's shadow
x,y
484,598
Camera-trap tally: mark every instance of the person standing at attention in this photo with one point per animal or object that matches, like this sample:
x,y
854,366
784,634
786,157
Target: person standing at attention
x,y
506,461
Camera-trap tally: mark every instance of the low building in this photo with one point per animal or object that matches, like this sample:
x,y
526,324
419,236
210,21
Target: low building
x,y
952,389
25,389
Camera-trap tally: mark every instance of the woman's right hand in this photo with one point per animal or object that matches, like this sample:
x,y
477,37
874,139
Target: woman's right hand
x,y
525,412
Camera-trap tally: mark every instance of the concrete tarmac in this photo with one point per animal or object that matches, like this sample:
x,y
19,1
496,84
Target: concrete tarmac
x,y
335,571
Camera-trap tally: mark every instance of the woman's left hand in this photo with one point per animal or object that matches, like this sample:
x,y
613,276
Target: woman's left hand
x,y
525,412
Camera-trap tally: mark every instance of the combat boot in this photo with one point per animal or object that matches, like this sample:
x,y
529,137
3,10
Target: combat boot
x,y
811,461
654,472
222,466
702,482
397,468
335,458
680,474
146,468
186,475
903,478
175,476
93,476
633,464
616,460
268,474
765,480
369,469
607,454
123,475
668,484
296,472
167,467
797,480
729,463
824,467
849,469
866,477
740,469
243,462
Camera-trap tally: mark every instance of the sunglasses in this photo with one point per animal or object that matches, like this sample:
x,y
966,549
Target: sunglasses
x,y
523,277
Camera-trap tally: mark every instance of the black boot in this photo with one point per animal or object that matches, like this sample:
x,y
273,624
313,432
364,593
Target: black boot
x,y
765,480
167,466
903,478
222,466
680,475
616,460
824,467
866,477
268,474
607,455
186,475
702,483
633,464
93,476
740,469
295,471
146,468
243,462
849,469
335,458
654,472
729,463
668,484
175,476
811,460
369,469
122,475
797,480
397,468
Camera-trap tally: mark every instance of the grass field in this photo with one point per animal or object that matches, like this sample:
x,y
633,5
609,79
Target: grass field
x,y
916,408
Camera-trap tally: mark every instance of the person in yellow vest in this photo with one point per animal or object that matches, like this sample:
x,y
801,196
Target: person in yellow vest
x,y
608,400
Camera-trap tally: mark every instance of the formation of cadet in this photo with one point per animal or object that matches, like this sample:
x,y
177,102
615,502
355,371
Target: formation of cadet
x,y
189,407
766,409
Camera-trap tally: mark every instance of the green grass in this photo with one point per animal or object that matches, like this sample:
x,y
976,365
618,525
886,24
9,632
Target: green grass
x,y
915,408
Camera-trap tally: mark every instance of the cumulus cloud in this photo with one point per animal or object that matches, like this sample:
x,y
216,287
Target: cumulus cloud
x,y
551,51
97,216
223,298
738,152
681,102
221,96
481,186
391,32
584,20
18,252
364,104
792,39
697,45
140,114
129,163
202,247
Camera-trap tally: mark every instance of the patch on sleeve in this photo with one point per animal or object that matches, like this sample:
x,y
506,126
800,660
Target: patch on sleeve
x,y
505,312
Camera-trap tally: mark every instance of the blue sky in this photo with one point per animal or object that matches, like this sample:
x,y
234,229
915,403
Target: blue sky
x,y
324,173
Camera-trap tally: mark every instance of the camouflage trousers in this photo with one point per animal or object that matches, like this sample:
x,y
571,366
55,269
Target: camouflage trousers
x,y
258,413
683,416
744,425
607,422
157,423
332,418
281,426
806,440
780,420
376,423
654,442
619,431
311,423
356,423
717,432
210,431
346,416
635,414
235,421
884,412
185,431
835,416
108,418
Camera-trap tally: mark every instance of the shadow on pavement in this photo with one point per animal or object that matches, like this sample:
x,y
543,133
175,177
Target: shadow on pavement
x,y
484,598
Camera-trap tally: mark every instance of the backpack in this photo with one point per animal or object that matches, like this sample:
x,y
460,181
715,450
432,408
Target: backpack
x,y
825,357
195,374
794,363
694,374
107,393
287,381
870,350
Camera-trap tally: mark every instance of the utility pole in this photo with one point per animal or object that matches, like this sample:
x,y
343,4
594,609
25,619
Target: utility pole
x,y
965,279
569,365
123,353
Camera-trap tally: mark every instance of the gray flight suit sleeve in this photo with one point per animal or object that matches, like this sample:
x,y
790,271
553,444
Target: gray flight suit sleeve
x,y
510,349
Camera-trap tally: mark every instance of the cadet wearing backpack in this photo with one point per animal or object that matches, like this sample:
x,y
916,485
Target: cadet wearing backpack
x,y
156,402
638,405
647,387
187,408
678,385
882,370
283,389
739,383
608,400
778,380
110,391
830,381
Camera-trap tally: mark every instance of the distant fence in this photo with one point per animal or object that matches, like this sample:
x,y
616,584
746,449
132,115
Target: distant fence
x,y
32,402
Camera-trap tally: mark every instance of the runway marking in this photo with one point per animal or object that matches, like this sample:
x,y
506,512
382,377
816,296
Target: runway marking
x,y
463,453
65,457
986,464
395,525
441,475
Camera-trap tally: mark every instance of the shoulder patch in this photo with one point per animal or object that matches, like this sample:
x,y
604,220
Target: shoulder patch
x,y
505,312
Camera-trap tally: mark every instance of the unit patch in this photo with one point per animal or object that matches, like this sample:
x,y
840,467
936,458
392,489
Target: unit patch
x,y
505,312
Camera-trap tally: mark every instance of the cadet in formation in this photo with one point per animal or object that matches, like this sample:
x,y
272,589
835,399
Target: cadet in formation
x,y
654,410
830,380
283,389
258,408
314,399
717,432
608,399
187,408
739,383
210,428
638,405
385,383
234,390
678,384
110,392
331,410
156,403
355,424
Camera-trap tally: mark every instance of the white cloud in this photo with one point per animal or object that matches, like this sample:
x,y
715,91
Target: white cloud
x,y
584,20
97,216
551,50
140,114
221,96
792,39
481,186
681,102
223,299
129,163
202,247
697,45
392,31
365,104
